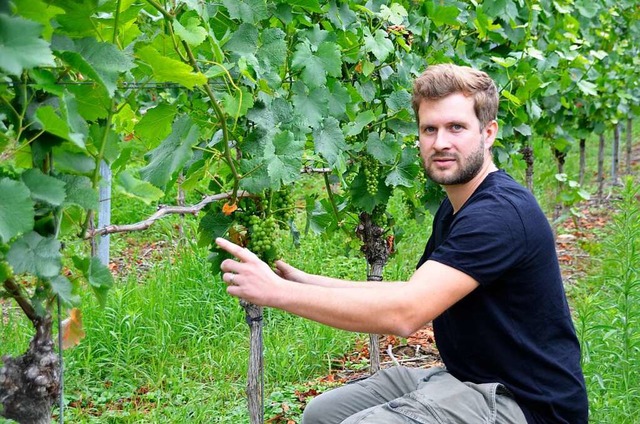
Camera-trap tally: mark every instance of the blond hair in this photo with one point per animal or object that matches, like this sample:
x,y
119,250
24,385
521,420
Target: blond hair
x,y
439,81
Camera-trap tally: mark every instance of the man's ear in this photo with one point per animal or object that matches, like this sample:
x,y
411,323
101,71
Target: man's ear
x,y
490,132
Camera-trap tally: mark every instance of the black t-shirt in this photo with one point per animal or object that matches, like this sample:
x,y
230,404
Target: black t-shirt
x,y
515,328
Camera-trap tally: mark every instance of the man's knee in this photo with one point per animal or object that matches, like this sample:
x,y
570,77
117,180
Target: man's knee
x,y
316,411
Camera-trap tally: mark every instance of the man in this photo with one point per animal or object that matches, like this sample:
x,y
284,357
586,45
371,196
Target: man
x,y
489,280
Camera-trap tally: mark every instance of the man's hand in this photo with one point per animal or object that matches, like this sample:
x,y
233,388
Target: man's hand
x,y
289,272
249,278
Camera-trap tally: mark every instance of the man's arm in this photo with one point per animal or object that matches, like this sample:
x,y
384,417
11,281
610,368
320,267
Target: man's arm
x,y
401,308
291,273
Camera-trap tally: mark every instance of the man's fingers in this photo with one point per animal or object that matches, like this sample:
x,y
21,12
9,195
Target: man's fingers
x,y
229,278
229,265
237,251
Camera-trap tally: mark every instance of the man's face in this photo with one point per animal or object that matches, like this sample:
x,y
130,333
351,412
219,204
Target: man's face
x,y
452,145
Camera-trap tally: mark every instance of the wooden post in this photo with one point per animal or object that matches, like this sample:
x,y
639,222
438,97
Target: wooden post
x,y
376,252
629,144
601,166
615,155
583,160
255,374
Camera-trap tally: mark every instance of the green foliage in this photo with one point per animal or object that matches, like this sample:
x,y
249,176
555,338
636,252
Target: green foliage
x,y
607,315
37,255
16,209
21,45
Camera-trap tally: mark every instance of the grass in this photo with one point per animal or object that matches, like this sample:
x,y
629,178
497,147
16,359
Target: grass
x,y
170,345
178,345
608,316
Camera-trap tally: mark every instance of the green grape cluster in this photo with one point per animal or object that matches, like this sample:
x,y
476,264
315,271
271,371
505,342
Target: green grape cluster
x,y
371,173
283,204
261,237
379,216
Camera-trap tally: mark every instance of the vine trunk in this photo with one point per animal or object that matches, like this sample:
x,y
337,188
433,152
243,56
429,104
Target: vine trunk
x,y
30,383
375,249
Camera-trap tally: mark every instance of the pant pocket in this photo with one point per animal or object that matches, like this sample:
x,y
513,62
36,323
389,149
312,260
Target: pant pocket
x,y
415,410
453,401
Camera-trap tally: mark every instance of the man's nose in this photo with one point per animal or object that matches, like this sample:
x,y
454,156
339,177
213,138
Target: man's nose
x,y
441,141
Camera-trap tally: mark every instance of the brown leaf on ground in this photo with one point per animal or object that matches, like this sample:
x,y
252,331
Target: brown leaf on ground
x,y
72,331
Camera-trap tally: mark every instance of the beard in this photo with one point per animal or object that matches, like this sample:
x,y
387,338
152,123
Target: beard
x,y
468,169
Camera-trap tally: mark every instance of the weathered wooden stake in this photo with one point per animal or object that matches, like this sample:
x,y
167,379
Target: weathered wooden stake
x,y
255,374
375,250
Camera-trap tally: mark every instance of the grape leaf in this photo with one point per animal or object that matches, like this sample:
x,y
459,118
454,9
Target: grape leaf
x,y
21,46
93,102
317,65
102,62
587,8
379,44
341,16
398,100
79,191
256,178
216,256
338,99
44,187
192,33
166,69
172,154
396,13
523,129
311,106
16,209
320,216
212,225
274,47
284,158
97,274
273,52
67,124
35,255
62,287
138,189
99,278
73,162
443,15
237,104
39,11
243,41
309,5
406,171
54,124
588,88
362,120
329,141
77,19
384,150
250,11
155,124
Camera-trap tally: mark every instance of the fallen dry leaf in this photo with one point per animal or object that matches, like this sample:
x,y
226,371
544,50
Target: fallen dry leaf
x,y
72,331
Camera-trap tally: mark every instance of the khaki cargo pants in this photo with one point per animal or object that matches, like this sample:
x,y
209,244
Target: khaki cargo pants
x,y
401,395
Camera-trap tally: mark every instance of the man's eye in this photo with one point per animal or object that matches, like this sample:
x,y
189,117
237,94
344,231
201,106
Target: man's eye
x,y
429,130
456,127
